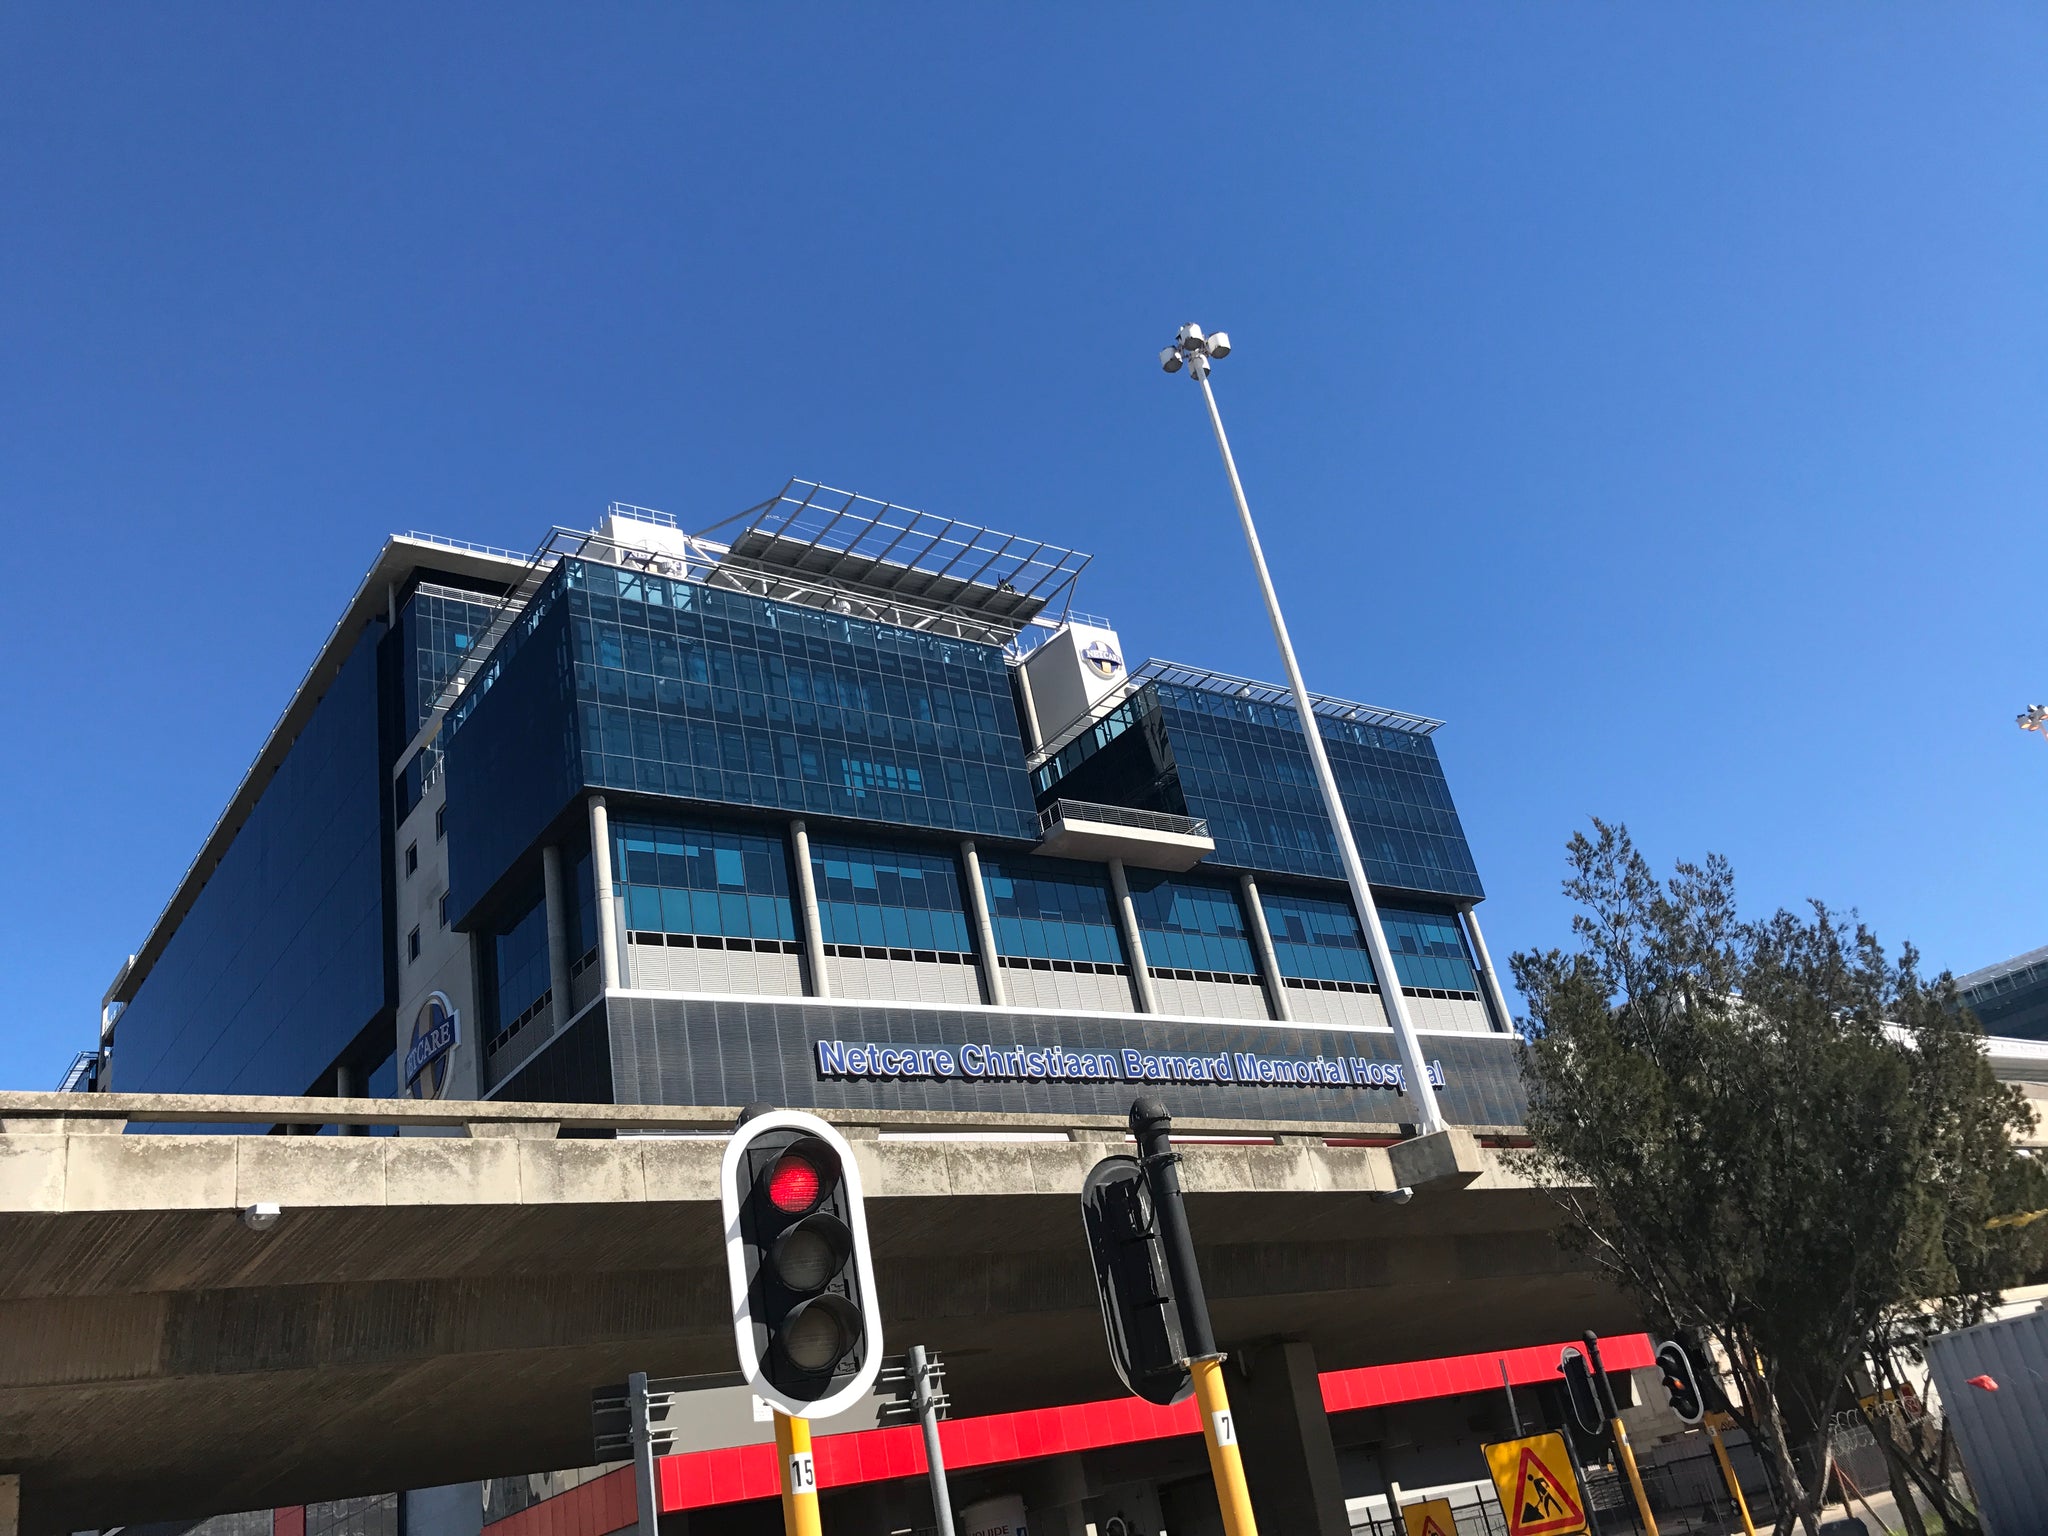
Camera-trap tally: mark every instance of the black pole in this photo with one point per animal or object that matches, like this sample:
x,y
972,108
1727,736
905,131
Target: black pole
x,y
1605,1387
1152,1125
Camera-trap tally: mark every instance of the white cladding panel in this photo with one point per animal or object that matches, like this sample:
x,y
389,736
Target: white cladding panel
x,y
663,968
1071,672
903,981
1089,990
1467,1015
1211,999
1312,1005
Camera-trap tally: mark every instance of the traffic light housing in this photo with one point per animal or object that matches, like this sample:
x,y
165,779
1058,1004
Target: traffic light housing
x,y
1580,1391
1140,1314
1679,1381
803,1283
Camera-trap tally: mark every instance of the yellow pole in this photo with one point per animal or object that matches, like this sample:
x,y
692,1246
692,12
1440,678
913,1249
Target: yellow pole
x,y
799,1480
1728,1472
1219,1433
1635,1478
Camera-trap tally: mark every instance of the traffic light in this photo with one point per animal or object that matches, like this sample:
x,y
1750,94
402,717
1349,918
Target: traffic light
x,y
796,1249
1679,1381
1583,1395
1139,1313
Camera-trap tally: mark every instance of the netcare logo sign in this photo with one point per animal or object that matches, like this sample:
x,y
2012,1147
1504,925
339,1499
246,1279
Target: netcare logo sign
x,y
975,1061
1102,658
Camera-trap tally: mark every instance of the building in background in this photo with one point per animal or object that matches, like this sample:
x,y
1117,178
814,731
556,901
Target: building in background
x,y
2010,998
652,816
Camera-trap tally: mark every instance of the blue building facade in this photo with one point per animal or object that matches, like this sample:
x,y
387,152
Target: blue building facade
x,y
522,790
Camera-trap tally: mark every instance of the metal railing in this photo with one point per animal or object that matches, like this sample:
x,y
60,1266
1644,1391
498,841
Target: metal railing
x,y
1121,816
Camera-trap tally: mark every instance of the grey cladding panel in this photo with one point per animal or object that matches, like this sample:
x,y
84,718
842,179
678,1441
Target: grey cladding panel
x,y
673,1050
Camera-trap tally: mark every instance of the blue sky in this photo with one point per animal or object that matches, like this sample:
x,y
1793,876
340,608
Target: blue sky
x,y
1655,393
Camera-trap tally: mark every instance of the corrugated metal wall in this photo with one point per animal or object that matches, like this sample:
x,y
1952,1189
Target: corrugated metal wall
x,y
2003,1434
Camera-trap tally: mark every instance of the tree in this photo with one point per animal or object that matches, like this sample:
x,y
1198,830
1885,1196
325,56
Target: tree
x,y
1770,1135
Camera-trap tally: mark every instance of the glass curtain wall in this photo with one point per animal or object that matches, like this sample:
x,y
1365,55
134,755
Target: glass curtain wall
x,y
1050,909
676,877
890,898
517,985
1190,926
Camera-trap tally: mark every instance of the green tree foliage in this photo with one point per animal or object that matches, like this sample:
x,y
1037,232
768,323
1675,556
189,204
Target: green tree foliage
x,y
1770,1135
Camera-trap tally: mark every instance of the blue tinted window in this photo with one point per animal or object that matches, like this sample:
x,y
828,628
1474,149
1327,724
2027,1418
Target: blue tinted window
x,y
677,878
439,627
1188,925
1243,766
1429,950
897,898
714,695
1316,938
666,687
279,963
1049,909
519,965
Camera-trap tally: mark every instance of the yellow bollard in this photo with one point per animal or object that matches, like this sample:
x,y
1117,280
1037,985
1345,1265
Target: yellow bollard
x,y
1635,1478
1219,1433
798,1477
1728,1472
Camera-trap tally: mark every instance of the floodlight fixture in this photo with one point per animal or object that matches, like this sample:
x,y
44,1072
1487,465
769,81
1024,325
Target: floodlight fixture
x,y
1170,360
1219,344
2034,718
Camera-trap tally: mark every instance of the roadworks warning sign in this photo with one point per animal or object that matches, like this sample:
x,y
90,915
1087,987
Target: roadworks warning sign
x,y
1432,1517
1538,1491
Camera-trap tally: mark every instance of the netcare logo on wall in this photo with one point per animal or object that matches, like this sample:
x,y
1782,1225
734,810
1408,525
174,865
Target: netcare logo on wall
x,y
1101,656
980,1062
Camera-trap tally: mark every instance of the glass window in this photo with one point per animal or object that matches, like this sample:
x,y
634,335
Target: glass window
x,y
519,966
675,877
1189,925
1050,909
1243,766
892,897
440,822
412,858
412,945
1429,950
1316,938
441,909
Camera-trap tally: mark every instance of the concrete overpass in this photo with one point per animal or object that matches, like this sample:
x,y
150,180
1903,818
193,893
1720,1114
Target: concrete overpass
x,y
436,1306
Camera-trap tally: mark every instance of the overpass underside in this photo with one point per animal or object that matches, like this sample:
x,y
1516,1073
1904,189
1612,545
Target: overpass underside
x,y
434,1308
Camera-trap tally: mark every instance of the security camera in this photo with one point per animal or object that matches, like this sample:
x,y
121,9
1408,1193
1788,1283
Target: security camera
x,y
1219,344
1190,336
1170,359
261,1217
1399,1196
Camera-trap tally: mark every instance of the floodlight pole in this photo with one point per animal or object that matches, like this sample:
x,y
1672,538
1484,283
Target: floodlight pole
x,y
1429,1119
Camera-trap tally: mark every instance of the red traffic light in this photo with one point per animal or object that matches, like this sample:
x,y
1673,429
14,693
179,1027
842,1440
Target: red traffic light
x,y
794,1184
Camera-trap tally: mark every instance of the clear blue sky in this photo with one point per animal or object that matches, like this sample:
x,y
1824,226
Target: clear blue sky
x,y
1655,393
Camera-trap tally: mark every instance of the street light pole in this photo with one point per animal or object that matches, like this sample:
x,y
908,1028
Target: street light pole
x,y
1192,349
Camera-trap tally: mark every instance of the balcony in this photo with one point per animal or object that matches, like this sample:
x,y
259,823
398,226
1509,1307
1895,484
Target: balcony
x,y
1078,829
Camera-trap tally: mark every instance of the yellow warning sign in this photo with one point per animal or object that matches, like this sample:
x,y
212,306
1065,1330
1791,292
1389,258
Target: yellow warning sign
x,y
1432,1517
1538,1491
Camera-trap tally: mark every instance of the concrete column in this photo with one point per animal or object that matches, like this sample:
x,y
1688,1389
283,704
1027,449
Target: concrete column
x,y
558,930
1489,984
347,1086
1032,735
10,1504
1284,1436
1134,938
984,930
607,901
1262,948
807,898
